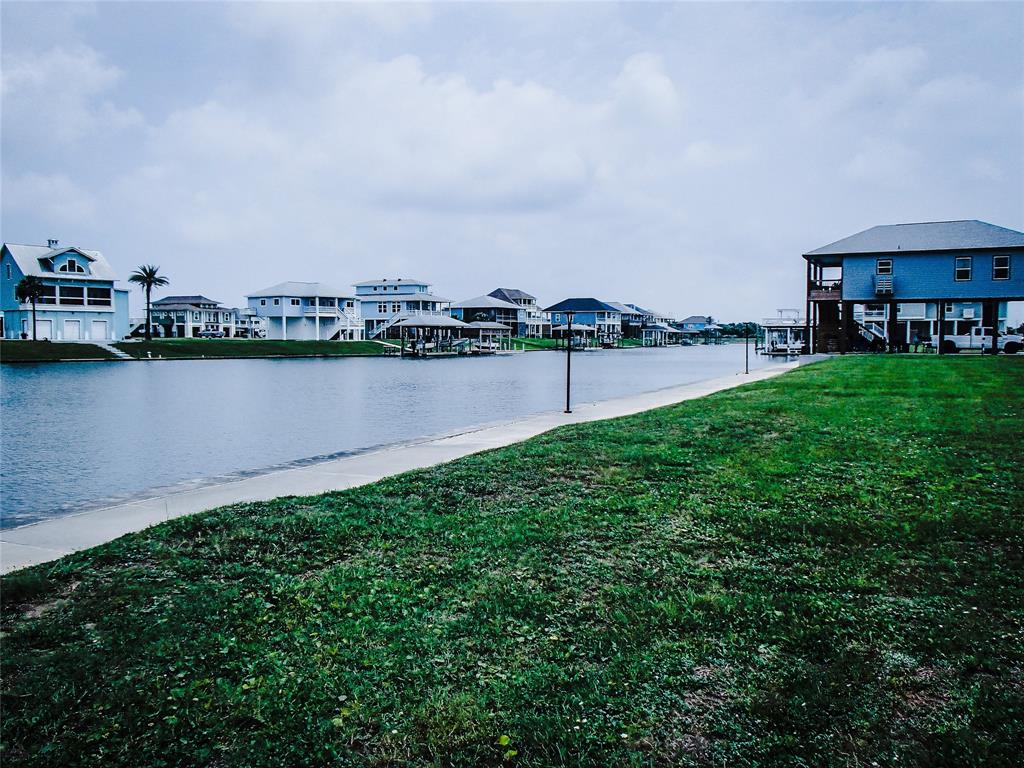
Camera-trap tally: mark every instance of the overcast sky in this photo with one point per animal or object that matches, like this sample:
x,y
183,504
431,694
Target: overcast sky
x,y
678,156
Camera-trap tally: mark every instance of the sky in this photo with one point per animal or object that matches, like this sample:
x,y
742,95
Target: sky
x,y
677,156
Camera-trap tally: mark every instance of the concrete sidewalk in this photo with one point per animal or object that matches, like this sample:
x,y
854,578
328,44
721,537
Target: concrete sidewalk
x,y
48,540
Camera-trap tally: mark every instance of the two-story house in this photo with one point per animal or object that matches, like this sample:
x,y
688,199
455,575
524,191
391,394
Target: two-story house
x,y
387,301
81,300
906,280
188,316
307,312
536,323
588,313
492,310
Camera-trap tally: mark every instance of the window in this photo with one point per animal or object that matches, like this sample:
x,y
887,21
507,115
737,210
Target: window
x,y
263,302
276,302
72,265
49,295
948,309
396,306
74,295
296,302
8,271
375,287
883,267
382,307
195,315
1000,267
962,269
348,305
98,297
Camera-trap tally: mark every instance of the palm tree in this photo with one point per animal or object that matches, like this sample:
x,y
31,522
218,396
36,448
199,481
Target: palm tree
x,y
147,276
30,289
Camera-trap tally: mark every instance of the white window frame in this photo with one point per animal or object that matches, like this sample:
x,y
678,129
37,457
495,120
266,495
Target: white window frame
x,y
1005,266
883,266
957,269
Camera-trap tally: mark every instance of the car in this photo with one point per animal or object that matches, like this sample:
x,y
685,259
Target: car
x,y
211,333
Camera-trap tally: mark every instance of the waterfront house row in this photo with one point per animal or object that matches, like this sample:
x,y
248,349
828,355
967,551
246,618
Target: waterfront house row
x,y
80,296
899,284
197,316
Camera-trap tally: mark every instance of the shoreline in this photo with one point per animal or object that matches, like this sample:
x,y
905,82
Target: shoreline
x,y
50,539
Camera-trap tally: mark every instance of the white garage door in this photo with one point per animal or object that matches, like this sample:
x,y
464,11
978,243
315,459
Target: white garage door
x,y
99,330
72,330
44,329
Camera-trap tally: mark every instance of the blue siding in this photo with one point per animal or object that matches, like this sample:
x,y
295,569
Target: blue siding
x,y
931,276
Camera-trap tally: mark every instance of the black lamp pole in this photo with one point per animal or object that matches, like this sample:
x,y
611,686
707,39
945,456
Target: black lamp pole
x,y
568,360
746,349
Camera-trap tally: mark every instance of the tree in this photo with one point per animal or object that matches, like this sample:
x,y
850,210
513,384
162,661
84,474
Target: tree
x,y
147,276
30,289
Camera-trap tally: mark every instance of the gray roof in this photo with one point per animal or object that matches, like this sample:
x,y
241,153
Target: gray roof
x,y
485,302
431,321
29,259
695,319
184,300
924,236
511,294
623,308
391,281
300,290
488,326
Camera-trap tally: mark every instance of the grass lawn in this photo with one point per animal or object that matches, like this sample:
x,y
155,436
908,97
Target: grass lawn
x,y
50,351
532,344
825,569
189,348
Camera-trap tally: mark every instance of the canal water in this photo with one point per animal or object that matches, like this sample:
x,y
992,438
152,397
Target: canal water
x,y
79,435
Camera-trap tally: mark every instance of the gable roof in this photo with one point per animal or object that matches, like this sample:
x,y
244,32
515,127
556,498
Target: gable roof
x,y
695,319
300,290
581,305
485,302
623,308
29,259
510,294
185,300
924,236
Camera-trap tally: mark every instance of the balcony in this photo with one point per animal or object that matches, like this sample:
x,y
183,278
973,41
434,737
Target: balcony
x,y
825,290
321,312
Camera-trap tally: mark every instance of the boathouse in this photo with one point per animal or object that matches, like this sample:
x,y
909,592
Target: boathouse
x,y
906,279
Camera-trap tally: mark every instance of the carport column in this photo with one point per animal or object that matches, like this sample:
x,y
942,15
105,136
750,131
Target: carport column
x,y
316,315
844,329
994,313
940,313
891,337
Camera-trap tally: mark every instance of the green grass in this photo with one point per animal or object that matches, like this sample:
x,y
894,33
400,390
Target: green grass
x,y
819,570
50,351
532,344
190,348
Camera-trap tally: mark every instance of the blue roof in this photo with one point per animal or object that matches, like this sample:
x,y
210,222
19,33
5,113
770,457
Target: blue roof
x,y
925,236
580,305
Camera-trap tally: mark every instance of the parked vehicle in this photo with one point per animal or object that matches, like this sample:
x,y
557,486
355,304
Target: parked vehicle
x,y
211,333
981,338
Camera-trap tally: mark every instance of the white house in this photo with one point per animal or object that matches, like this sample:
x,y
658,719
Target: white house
x,y
307,311
81,300
385,302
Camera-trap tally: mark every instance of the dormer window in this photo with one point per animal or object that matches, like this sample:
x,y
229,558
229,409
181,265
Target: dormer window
x,y
72,265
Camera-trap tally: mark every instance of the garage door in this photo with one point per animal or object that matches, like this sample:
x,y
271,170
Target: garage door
x,y
44,329
99,330
72,330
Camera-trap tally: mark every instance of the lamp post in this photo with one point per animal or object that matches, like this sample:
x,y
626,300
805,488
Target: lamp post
x,y
568,359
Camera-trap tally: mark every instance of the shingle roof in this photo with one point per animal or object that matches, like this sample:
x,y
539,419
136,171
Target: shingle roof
x,y
510,294
300,290
184,300
28,258
695,319
924,236
485,302
580,305
623,308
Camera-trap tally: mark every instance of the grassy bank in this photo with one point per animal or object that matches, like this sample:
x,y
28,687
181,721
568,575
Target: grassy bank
x,y
50,351
191,348
822,569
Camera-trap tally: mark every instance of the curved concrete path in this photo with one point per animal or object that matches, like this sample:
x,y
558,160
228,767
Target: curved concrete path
x,y
51,539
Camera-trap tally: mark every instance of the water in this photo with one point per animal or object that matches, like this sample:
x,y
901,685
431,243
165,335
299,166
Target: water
x,y
79,435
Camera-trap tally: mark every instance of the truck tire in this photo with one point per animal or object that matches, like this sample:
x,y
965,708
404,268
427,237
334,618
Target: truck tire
x,y
949,347
1012,347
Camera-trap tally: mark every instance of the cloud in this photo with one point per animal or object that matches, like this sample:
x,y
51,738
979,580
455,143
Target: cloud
x,y
54,198
54,96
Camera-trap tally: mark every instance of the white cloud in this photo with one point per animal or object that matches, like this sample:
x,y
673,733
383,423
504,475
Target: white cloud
x,y
54,198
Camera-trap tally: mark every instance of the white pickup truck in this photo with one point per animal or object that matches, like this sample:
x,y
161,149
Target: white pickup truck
x,y
981,338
